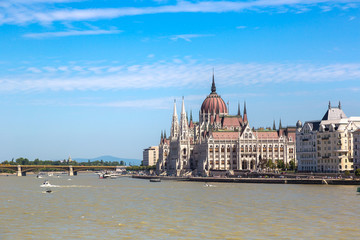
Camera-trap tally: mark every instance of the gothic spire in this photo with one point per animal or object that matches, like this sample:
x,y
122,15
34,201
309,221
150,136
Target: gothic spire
x,y
175,123
175,114
339,105
183,122
329,104
280,125
245,113
239,113
213,87
183,107
165,134
190,115
274,126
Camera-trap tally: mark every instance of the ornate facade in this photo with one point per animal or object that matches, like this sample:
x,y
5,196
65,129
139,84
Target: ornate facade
x,y
327,145
356,138
220,141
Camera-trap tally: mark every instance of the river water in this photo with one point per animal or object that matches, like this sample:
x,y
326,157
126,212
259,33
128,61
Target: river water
x,y
86,207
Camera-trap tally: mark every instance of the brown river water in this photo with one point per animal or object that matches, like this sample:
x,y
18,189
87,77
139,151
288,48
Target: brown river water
x,y
87,207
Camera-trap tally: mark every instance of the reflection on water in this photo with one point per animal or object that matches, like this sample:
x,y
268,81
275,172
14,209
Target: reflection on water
x,y
126,208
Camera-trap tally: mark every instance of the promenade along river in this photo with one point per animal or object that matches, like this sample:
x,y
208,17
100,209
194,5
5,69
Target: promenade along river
x,y
86,207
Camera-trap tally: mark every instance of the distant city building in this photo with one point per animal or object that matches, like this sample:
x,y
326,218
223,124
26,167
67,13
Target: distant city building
x,y
150,156
326,145
356,138
220,141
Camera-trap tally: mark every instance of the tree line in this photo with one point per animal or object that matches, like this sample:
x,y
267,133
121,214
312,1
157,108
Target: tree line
x,y
25,161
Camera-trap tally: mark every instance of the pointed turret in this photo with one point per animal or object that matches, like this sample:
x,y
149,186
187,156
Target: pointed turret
x,y
339,105
245,113
183,122
174,124
329,105
280,125
213,87
191,124
162,137
164,134
274,126
239,112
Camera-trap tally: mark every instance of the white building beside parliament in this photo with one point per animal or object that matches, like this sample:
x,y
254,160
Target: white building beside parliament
x,y
328,145
221,142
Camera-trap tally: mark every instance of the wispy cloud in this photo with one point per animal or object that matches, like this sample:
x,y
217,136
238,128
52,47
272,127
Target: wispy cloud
x,y
71,33
188,37
171,74
20,12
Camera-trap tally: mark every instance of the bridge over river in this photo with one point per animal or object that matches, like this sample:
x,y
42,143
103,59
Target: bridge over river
x,y
72,170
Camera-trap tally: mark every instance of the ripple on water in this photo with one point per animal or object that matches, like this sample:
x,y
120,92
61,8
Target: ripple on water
x,y
135,209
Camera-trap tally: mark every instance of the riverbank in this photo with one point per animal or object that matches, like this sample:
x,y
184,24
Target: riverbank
x,y
258,180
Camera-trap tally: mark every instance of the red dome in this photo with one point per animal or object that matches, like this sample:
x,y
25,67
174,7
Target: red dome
x,y
213,103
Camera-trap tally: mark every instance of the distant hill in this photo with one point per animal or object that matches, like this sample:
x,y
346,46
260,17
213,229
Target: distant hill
x,y
107,158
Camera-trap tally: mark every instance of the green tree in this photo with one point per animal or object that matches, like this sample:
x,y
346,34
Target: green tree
x,y
347,173
292,165
357,172
270,164
280,164
22,161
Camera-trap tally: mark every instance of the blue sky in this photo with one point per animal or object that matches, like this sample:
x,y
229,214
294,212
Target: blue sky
x,y
89,78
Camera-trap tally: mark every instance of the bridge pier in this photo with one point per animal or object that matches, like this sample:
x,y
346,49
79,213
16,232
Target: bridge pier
x,y
71,171
19,173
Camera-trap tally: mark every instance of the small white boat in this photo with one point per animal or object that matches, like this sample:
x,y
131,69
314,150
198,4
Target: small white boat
x,y
208,185
46,184
39,176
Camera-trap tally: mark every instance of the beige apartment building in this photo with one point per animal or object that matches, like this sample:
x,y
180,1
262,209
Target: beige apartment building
x,y
332,150
356,144
150,156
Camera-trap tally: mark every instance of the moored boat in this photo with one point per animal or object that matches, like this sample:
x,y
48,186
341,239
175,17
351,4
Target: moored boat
x,y
155,180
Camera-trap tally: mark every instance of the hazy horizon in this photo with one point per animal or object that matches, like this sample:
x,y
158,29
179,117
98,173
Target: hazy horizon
x,y
93,78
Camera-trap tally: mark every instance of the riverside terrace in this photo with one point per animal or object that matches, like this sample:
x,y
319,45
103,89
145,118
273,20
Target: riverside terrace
x,y
23,169
269,178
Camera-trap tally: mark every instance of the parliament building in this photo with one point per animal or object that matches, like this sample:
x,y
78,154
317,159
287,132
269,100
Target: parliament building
x,y
220,142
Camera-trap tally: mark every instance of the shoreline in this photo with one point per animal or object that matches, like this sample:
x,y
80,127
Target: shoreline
x,y
258,180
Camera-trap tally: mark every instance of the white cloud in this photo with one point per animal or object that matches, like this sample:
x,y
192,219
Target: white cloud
x,y
157,103
172,74
34,70
70,33
188,37
50,69
23,13
241,27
